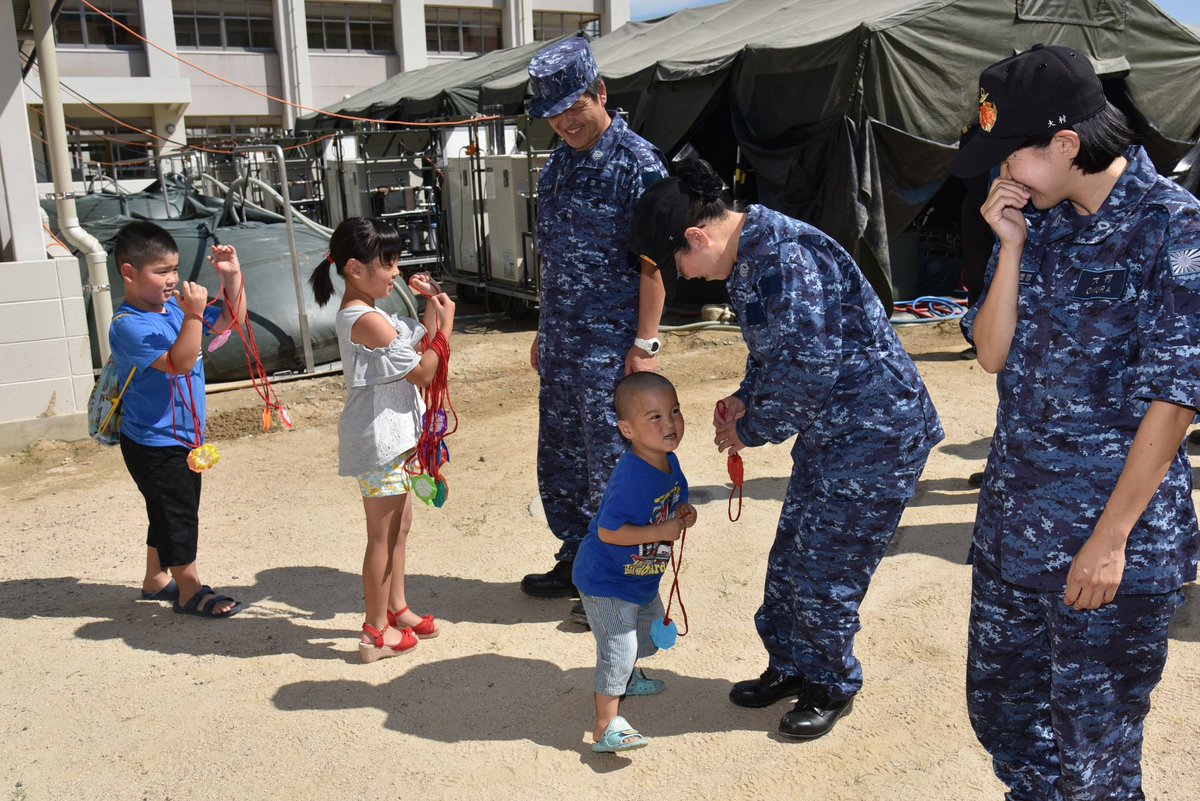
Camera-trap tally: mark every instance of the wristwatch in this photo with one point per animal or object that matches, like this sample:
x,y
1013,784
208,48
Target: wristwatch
x,y
651,346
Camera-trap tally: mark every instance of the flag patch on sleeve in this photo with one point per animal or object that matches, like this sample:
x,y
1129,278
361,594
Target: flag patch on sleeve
x,y
1185,261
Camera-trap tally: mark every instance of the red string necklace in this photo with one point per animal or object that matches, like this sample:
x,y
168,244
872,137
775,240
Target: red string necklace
x,y
201,455
737,474
663,633
675,592
439,422
254,365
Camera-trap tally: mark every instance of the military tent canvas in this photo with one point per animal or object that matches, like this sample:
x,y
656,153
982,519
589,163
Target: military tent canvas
x,y
846,113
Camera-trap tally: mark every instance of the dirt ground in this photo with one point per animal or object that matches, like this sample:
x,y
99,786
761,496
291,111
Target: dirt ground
x,y
102,697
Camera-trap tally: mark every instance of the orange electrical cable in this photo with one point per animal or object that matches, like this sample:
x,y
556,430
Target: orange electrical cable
x,y
98,135
58,241
88,104
242,86
180,145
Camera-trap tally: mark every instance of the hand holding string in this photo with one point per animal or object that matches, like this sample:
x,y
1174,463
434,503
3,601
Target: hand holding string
x,y
733,465
663,633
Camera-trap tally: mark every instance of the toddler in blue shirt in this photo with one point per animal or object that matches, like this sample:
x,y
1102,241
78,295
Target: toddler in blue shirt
x,y
628,547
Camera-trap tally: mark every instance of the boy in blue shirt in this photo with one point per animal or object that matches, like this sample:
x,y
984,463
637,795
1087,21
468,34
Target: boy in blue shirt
x,y
156,334
628,547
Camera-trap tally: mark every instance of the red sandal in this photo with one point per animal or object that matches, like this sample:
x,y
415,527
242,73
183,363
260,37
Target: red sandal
x,y
371,652
427,629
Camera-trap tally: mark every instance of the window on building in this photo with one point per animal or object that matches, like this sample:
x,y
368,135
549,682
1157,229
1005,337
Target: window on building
x,y
111,151
224,24
79,25
231,128
461,31
549,25
350,27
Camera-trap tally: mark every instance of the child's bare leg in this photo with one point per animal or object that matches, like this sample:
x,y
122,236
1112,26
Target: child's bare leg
x,y
188,578
399,544
606,710
384,519
156,577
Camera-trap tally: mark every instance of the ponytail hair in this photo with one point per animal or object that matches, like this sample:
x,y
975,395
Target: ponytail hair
x,y
321,283
706,195
363,239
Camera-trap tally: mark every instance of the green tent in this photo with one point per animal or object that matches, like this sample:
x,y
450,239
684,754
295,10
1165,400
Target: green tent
x,y
847,112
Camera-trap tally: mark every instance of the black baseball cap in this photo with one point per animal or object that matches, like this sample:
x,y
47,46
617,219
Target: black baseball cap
x,y
1045,89
656,232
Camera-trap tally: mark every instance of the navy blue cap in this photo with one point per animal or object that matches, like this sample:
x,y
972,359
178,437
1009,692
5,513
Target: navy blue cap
x,y
656,231
559,75
1046,89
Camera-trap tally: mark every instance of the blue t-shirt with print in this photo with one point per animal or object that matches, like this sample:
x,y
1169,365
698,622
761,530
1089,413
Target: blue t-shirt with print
x,y
153,413
638,494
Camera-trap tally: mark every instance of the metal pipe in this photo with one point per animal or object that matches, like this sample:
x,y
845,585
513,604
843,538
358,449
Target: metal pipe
x,y
270,192
60,167
277,151
235,187
184,158
307,222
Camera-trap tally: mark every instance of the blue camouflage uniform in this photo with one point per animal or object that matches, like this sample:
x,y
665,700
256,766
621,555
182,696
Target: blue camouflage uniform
x,y
825,364
1107,312
589,298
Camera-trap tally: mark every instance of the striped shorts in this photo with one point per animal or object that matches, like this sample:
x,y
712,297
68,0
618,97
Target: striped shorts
x,y
622,632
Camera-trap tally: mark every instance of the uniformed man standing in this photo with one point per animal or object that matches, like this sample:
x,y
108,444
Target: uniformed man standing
x,y
599,312
1086,527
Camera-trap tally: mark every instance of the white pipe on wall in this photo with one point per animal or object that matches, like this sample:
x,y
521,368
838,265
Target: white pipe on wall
x,y
60,167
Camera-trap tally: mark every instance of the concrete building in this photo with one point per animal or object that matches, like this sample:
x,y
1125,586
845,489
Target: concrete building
x,y
306,53
153,65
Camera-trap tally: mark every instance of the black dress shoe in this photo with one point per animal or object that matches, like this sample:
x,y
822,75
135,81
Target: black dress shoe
x,y
768,688
813,717
555,584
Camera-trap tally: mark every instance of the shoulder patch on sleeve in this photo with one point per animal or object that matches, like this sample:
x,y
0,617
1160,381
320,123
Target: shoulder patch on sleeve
x,y
650,178
1184,261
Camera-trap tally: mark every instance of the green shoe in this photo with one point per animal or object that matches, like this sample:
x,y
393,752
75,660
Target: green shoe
x,y
639,684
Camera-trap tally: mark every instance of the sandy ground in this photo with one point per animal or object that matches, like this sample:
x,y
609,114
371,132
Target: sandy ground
x,y
105,698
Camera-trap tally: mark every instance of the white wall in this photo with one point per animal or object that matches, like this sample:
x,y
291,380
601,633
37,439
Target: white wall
x,y
339,74
45,353
215,98
73,61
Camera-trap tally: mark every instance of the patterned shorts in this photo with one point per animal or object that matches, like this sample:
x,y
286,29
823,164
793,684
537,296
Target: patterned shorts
x,y
386,480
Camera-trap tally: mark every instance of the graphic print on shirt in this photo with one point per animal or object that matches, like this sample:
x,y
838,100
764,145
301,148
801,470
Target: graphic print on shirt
x,y
652,558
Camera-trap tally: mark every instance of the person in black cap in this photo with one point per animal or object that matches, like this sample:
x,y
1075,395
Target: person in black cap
x,y
824,366
598,312
1085,529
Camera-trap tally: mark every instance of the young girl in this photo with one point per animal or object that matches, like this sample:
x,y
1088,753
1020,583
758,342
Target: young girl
x,y
385,363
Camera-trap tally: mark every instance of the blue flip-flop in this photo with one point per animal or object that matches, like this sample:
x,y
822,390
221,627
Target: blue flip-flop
x,y
167,593
619,736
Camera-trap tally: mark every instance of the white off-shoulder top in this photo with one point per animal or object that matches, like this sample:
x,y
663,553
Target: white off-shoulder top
x,y
382,415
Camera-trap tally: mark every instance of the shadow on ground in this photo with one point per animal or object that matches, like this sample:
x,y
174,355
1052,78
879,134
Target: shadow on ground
x,y
279,606
754,489
949,541
976,449
1186,625
493,697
